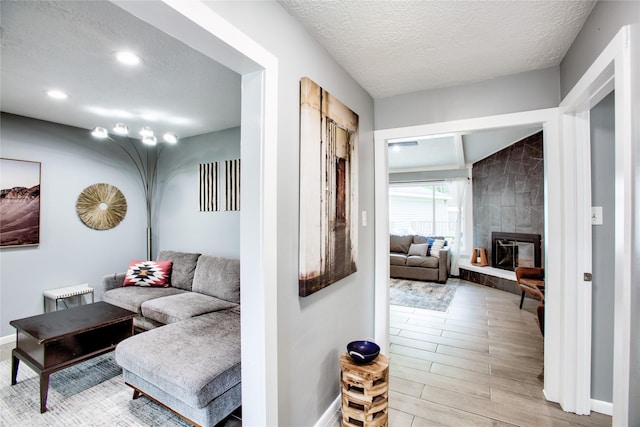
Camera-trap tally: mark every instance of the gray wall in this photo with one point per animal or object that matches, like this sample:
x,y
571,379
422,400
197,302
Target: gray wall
x,y
532,90
181,226
69,253
508,192
603,239
312,331
603,23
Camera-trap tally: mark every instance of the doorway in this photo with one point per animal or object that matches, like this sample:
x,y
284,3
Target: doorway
x,y
602,124
548,120
568,308
613,70
204,30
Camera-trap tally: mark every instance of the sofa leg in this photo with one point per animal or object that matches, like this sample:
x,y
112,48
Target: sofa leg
x,y
136,394
521,300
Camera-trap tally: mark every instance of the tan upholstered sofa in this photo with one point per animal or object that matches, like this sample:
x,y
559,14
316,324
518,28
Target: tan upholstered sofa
x,y
414,257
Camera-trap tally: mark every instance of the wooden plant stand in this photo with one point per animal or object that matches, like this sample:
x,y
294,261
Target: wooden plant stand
x,y
365,392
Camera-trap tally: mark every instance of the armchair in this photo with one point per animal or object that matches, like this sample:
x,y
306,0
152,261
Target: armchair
x,y
530,281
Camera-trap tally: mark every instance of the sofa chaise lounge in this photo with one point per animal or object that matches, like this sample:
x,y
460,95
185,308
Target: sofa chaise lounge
x,y
188,357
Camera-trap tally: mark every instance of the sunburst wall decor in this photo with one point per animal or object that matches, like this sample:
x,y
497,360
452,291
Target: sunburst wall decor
x,y
101,206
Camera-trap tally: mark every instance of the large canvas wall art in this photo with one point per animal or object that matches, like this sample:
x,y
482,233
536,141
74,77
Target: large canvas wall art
x,y
328,189
19,203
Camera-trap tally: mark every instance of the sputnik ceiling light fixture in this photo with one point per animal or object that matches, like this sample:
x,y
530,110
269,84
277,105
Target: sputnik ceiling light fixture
x,y
147,169
146,133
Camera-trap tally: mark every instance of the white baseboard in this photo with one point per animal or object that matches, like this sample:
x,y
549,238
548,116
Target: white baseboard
x,y
602,407
329,414
8,339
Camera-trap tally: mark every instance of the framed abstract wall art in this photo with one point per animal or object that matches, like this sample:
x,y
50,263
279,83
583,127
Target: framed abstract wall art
x,y
215,184
328,189
19,203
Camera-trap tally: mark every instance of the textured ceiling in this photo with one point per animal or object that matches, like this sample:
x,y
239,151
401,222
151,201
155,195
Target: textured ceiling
x,y
395,47
69,46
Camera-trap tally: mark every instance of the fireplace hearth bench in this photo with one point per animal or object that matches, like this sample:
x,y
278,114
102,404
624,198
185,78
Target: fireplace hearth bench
x,y
188,359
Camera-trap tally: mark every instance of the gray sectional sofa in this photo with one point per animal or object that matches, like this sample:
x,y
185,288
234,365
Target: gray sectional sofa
x,y
188,357
407,262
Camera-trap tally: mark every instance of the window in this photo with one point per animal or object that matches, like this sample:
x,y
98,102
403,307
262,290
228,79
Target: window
x,y
424,209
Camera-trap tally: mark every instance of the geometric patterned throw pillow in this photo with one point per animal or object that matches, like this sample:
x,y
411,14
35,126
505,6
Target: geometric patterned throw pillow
x,y
148,273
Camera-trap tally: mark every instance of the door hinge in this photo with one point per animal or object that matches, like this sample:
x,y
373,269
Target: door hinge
x,y
587,277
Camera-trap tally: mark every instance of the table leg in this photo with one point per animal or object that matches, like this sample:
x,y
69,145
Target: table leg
x,y
14,368
44,391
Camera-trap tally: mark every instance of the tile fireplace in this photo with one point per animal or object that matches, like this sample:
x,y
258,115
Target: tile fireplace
x,y
511,250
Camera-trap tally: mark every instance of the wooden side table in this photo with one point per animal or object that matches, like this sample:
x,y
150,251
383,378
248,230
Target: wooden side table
x,y
365,392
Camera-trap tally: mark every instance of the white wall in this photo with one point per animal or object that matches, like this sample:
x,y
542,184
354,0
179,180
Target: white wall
x,y
69,253
312,331
531,90
181,226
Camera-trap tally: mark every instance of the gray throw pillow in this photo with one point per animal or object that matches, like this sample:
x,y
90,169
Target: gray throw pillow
x,y
184,267
419,249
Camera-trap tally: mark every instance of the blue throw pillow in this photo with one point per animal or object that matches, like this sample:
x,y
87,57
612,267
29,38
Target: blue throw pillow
x,y
430,241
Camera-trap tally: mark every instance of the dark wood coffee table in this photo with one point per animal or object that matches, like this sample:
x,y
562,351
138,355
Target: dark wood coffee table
x,y
53,341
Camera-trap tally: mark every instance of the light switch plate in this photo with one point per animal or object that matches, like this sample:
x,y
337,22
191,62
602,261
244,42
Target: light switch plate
x,y
596,215
364,218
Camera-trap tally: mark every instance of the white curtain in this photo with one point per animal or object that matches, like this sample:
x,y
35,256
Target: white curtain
x,y
457,190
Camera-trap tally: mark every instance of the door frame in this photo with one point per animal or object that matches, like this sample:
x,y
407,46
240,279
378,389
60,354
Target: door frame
x,y
612,70
554,243
567,361
198,26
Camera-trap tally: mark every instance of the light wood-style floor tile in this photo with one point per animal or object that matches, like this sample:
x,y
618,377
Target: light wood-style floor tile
x,y
489,409
480,363
436,414
400,419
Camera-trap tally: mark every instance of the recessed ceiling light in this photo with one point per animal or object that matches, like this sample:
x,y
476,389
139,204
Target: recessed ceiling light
x,y
128,58
57,94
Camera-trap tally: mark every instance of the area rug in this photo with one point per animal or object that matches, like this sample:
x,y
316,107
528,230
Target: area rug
x,y
417,294
91,393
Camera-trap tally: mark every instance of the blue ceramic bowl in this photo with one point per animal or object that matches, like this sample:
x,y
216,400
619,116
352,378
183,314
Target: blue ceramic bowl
x,y
363,351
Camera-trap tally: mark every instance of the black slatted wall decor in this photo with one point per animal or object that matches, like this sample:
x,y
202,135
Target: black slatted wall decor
x,y
209,179
232,185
